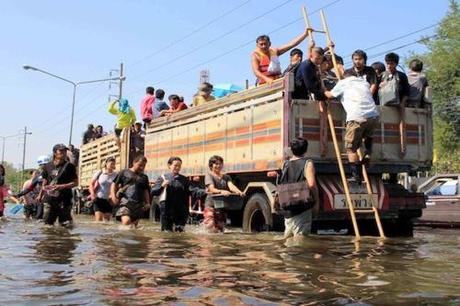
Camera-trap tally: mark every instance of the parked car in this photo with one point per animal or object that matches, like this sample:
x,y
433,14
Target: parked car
x,y
442,194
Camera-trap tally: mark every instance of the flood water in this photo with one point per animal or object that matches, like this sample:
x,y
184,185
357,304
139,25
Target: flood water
x,y
100,264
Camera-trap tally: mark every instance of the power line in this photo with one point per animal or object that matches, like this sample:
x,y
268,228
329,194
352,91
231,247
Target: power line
x,y
66,117
191,33
206,44
398,48
49,121
236,48
399,37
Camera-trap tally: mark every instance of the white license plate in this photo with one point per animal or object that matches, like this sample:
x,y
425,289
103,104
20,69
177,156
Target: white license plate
x,y
359,200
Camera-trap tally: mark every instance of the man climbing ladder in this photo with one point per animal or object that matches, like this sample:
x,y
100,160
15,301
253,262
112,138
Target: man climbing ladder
x,y
362,117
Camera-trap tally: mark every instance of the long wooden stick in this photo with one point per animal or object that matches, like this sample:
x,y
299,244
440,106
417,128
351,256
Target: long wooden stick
x,y
342,174
369,191
329,42
334,140
307,23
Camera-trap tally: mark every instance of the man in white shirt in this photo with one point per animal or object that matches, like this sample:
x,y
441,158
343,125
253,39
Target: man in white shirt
x,y
362,118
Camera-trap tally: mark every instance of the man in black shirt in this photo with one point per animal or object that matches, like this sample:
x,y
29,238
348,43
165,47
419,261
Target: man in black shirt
x,y
359,69
308,78
59,177
89,135
131,191
295,60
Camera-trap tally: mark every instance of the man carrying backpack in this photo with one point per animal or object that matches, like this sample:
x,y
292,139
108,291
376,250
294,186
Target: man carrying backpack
x,y
394,91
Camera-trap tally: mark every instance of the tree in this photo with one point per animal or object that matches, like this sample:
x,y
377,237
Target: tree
x,y
442,62
13,176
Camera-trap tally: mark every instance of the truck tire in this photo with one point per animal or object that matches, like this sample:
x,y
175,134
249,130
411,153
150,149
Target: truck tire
x,y
257,214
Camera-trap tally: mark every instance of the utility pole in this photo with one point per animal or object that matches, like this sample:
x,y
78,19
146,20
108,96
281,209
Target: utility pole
x,y
118,84
120,92
204,76
24,156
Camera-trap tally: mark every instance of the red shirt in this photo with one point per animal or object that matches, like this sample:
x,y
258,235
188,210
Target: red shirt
x,y
146,107
178,106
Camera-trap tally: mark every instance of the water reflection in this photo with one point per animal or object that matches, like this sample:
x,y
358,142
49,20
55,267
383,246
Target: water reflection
x,y
98,264
56,245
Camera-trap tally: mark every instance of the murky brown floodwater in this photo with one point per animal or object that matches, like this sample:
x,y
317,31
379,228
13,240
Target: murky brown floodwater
x,y
99,264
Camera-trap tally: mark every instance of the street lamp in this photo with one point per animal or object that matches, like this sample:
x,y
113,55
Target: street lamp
x,y
74,84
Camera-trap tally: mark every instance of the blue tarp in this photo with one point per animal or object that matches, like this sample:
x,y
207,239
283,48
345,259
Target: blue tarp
x,y
222,90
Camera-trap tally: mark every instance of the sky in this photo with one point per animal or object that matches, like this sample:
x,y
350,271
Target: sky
x,y
164,44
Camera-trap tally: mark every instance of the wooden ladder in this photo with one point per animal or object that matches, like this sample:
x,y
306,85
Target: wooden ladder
x,y
346,188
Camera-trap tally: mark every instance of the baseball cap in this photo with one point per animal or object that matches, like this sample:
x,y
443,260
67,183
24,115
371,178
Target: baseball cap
x,y
59,147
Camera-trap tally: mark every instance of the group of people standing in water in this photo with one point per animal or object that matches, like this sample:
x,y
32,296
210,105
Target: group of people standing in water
x,y
126,194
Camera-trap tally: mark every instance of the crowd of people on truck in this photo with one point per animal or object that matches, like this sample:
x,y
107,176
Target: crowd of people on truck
x,y
321,76
92,133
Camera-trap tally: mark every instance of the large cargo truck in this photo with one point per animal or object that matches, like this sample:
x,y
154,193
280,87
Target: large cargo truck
x,y
252,129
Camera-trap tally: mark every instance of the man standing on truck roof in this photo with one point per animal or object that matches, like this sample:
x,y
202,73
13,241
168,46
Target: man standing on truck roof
x,y
125,115
160,106
308,77
362,118
403,89
147,105
264,60
89,134
295,59
203,95
359,69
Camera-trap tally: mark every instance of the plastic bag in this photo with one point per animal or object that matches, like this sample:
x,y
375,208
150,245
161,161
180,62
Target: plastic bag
x,y
274,68
389,91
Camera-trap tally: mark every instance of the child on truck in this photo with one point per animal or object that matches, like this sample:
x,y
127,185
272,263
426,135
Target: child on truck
x,y
362,118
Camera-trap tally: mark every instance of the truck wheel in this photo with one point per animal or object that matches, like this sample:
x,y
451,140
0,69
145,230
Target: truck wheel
x,y
257,214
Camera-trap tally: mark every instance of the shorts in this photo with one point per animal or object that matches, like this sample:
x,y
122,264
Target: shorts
x,y
29,210
298,225
214,219
60,210
102,205
133,211
356,131
118,132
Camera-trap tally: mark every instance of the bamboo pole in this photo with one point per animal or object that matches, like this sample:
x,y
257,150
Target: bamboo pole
x,y
369,191
329,42
308,25
334,137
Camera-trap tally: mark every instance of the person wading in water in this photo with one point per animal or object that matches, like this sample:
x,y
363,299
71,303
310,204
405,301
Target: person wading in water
x,y
100,190
59,177
130,190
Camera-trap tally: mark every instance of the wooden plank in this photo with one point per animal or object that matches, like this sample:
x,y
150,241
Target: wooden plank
x,y
249,94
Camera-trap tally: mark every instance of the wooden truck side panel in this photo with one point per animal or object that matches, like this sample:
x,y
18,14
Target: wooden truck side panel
x,y
247,135
251,130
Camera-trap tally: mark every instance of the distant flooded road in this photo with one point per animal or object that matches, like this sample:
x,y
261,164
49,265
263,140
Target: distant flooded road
x,y
99,264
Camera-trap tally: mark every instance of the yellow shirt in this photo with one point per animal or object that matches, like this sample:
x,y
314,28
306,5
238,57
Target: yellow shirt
x,y
123,120
198,100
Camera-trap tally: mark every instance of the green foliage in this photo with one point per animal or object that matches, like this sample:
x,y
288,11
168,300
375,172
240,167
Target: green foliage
x,y
13,176
442,63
